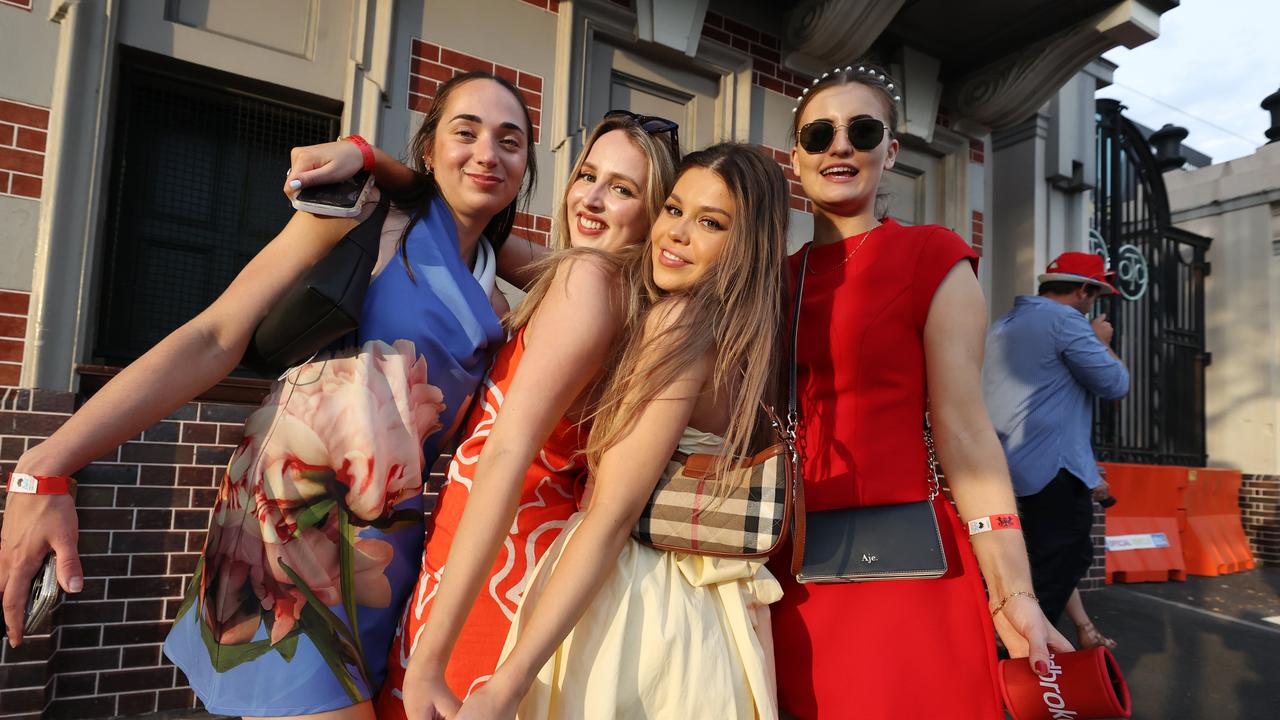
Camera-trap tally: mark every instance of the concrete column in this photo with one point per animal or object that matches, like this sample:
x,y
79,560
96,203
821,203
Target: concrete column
x,y
75,172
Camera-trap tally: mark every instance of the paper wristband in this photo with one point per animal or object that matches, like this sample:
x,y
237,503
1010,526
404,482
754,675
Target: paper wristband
x,y
41,484
366,151
994,522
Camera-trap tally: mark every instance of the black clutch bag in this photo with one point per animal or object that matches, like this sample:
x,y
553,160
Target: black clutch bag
x,y
322,306
882,542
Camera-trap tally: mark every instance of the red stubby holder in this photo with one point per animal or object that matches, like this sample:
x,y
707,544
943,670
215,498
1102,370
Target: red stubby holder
x,y
1084,685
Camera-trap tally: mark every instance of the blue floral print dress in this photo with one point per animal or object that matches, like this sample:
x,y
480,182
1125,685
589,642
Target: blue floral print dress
x,y
317,532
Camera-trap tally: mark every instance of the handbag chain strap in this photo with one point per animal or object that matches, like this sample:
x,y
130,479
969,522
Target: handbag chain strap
x,y
793,412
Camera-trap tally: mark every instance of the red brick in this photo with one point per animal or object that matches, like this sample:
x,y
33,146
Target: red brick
x,y
419,103
745,31
530,82
769,54
716,34
770,83
7,134
464,62
29,139
535,117
22,161
28,115
977,216
426,51
26,186
544,223
435,71
798,203
420,85
14,302
714,20
511,75
764,66
739,43
9,374
4,182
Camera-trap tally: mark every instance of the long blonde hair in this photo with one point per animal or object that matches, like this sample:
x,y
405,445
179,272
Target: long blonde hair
x,y
734,309
659,177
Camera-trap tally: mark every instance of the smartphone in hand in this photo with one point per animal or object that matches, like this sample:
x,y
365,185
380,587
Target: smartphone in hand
x,y
44,595
341,199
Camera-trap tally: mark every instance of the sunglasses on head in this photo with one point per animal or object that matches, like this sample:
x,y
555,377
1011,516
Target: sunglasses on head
x,y
653,125
864,134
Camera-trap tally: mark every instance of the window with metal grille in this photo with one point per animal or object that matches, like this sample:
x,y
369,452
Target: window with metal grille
x,y
199,157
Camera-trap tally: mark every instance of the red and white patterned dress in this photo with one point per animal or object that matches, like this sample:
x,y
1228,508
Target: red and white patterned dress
x,y
547,500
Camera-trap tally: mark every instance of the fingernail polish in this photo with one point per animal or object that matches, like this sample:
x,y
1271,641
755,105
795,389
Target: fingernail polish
x,y
295,184
1041,667
12,644
76,584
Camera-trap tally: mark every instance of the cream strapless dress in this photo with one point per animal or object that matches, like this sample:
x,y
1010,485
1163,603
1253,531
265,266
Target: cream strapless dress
x,y
669,635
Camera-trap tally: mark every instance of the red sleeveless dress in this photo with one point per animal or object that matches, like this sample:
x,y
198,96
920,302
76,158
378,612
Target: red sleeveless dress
x,y
546,502
891,650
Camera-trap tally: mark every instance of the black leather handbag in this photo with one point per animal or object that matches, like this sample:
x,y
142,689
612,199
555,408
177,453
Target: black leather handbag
x,y
323,305
881,542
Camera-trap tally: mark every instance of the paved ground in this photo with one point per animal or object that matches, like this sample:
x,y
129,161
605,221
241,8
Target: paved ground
x,y
1199,650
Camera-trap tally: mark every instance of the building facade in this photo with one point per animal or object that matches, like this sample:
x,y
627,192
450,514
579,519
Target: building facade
x,y
143,144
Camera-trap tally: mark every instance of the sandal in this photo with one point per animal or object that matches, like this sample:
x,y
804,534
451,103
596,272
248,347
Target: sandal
x,y
1090,637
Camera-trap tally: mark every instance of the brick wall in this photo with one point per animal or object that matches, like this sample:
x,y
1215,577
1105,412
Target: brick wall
x,y
23,132
13,331
431,64
533,227
144,510
1260,514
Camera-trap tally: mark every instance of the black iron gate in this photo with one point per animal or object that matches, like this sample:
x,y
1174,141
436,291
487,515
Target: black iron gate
x,y
1159,315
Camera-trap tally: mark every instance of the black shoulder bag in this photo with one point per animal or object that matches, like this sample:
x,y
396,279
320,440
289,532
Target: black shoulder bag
x,y
323,305
882,542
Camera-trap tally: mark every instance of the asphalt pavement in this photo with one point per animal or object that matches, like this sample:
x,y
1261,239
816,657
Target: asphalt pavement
x,y
1196,650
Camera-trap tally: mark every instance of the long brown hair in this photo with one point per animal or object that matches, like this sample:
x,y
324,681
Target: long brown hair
x,y
419,196
734,309
658,179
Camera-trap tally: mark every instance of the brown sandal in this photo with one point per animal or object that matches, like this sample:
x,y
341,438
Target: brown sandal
x,y
1089,637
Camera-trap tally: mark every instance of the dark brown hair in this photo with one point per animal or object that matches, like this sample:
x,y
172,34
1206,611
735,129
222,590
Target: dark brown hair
x,y
419,197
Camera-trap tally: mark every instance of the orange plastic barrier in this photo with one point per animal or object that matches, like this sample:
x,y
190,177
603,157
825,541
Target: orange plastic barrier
x,y
1214,542
1149,504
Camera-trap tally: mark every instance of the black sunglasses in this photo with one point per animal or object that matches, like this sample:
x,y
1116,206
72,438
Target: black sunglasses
x,y
864,134
653,125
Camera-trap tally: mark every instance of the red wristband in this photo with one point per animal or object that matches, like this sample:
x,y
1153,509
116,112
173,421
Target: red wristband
x,y
994,522
41,484
366,150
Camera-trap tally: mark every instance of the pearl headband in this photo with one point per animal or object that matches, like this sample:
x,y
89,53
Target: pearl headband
x,y
860,70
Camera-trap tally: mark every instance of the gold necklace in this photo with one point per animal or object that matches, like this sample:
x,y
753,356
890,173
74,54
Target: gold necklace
x,y
852,252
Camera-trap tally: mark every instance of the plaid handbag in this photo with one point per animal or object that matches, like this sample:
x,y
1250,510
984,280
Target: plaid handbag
x,y
751,522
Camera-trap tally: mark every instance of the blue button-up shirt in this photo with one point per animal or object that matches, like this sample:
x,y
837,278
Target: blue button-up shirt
x,y
1044,366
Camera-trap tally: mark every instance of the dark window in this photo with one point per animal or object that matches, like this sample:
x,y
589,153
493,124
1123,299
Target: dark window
x,y
199,158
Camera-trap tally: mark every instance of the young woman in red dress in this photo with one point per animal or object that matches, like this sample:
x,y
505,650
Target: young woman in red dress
x,y
893,321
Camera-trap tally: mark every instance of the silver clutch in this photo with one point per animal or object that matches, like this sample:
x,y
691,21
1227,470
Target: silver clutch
x,y
44,595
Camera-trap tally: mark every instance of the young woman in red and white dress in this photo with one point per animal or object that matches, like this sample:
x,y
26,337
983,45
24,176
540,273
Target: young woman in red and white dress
x,y
524,439
893,321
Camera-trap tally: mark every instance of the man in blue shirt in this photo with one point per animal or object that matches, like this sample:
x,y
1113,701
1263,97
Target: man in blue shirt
x,y
1045,363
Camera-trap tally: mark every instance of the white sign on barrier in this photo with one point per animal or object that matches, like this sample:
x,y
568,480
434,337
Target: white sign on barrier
x,y
1141,541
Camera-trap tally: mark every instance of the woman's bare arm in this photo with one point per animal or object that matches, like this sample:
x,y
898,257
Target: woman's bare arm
x,y
627,475
190,360
973,458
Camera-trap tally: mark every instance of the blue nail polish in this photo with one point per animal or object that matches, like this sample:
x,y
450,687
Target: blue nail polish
x,y
295,184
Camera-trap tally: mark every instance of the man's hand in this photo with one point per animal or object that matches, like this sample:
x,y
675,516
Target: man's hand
x,y
1103,329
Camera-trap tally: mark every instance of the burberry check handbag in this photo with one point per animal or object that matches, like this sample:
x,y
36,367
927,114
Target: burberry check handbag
x,y
683,515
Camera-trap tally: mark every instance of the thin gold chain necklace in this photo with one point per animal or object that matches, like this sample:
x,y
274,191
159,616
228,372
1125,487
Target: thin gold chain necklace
x,y
852,252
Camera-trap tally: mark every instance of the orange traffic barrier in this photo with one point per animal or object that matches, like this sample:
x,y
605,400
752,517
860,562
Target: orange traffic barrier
x,y
1144,528
1214,542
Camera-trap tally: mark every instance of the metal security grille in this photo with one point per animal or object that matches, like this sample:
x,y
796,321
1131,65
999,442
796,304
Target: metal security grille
x,y
1159,319
198,162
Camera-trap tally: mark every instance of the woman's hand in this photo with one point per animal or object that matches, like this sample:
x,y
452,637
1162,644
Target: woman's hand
x,y
33,526
1026,632
426,695
490,702
322,164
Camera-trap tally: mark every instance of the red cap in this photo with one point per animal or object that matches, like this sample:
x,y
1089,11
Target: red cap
x,y
1080,267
